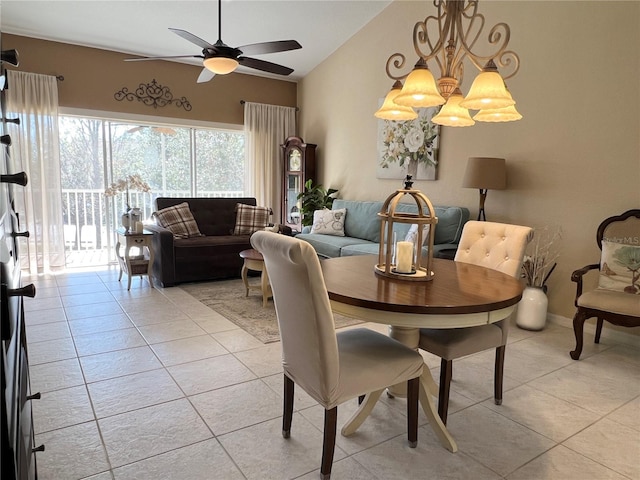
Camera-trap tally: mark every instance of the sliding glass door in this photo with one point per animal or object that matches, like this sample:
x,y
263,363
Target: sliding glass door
x,y
176,161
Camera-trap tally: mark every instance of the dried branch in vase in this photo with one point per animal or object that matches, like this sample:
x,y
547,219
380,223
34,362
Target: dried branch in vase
x,y
542,253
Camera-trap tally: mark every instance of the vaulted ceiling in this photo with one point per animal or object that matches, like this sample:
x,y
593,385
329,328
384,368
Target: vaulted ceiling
x,y
141,28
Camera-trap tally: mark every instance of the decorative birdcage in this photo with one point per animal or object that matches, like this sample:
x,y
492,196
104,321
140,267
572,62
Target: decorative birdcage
x,y
404,259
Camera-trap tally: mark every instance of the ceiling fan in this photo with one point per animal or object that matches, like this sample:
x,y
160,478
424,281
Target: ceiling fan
x,y
219,58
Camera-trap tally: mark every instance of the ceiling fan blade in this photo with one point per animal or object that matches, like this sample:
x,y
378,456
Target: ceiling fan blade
x,y
191,38
270,47
264,66
161,58
205,75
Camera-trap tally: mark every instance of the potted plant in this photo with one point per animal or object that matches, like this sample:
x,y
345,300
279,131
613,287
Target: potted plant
x,y
132,182
314,197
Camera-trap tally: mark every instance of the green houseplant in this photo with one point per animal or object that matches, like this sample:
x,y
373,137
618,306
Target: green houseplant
x,y
314,197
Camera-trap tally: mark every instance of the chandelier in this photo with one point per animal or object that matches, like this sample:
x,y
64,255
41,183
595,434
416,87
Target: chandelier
x,y
458,26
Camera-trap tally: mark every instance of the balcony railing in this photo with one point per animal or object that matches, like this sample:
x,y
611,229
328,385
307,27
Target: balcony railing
x,y
90,219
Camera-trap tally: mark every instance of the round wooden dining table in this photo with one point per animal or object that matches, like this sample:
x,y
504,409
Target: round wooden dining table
x,y
460,295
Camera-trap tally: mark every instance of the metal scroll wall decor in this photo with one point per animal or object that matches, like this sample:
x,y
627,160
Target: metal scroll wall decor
x,y
153,95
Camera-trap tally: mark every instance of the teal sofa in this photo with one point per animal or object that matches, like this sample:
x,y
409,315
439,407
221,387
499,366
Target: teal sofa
x,y
362,230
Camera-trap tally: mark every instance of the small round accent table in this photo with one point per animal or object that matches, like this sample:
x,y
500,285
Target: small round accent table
x,y
253,261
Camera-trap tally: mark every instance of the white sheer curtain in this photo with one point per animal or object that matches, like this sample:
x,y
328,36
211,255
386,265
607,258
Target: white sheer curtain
x,y
267,127
35,150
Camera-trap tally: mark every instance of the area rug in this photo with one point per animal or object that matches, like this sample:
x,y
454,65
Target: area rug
x,y
227,297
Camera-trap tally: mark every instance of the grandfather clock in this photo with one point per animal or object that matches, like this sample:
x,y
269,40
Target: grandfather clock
x,y
299,166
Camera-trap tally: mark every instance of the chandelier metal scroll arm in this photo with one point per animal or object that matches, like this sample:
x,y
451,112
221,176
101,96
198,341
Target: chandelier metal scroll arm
x,y
509,60
469,35
397,60
499,36
421,37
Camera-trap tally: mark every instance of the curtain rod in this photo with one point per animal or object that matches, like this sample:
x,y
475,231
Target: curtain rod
x,y
242,102
60,78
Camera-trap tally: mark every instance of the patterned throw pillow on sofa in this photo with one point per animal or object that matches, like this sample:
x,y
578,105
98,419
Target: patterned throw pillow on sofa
x,y
179,220
329,222
620,268
250,219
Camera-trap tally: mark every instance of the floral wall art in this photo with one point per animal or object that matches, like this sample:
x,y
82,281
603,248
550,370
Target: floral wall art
x,y
409,147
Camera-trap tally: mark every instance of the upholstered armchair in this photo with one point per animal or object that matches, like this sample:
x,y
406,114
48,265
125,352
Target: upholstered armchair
x,y
332,368
492,245
617,298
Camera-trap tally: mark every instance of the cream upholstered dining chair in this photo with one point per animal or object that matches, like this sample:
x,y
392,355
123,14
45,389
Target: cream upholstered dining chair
x,y
331,367
492,245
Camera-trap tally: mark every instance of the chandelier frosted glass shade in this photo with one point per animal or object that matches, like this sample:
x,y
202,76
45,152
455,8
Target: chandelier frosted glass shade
x,y
420,90
488,91
452,114
220,65
506,114
391,110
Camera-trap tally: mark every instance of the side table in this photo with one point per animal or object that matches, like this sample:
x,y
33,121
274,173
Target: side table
x,y
253,260
139,264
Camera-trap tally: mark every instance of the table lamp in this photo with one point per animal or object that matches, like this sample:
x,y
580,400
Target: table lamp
x,y
485,173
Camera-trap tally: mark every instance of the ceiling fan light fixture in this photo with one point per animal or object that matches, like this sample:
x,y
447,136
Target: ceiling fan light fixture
x,y
220,65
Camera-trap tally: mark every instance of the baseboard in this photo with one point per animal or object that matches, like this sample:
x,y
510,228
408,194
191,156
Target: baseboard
x,y
608,333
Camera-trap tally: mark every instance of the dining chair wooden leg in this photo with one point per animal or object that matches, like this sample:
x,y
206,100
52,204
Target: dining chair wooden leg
x,y
498,374
598,330
287,416
329,444
446,370
413,393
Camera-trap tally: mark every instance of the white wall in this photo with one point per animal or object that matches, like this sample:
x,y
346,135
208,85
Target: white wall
x,y
573,160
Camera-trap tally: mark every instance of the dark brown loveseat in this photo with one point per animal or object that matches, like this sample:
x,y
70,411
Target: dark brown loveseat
x,y
212,256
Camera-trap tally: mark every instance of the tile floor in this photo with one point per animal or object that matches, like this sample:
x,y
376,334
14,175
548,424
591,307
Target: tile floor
x,y
151,384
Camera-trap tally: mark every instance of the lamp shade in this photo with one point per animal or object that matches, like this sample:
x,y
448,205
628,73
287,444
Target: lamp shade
x,y
420,89
220,65
452,114
485,173
391,110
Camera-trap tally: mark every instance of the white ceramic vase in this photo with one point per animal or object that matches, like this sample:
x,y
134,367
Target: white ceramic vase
x,y
532,309
131,218
125,220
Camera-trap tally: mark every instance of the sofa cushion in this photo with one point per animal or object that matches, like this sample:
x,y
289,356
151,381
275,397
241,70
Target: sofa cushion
x,y
362,219
212,241
179,220
329,222
368,248
450,223
328,245
250,219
